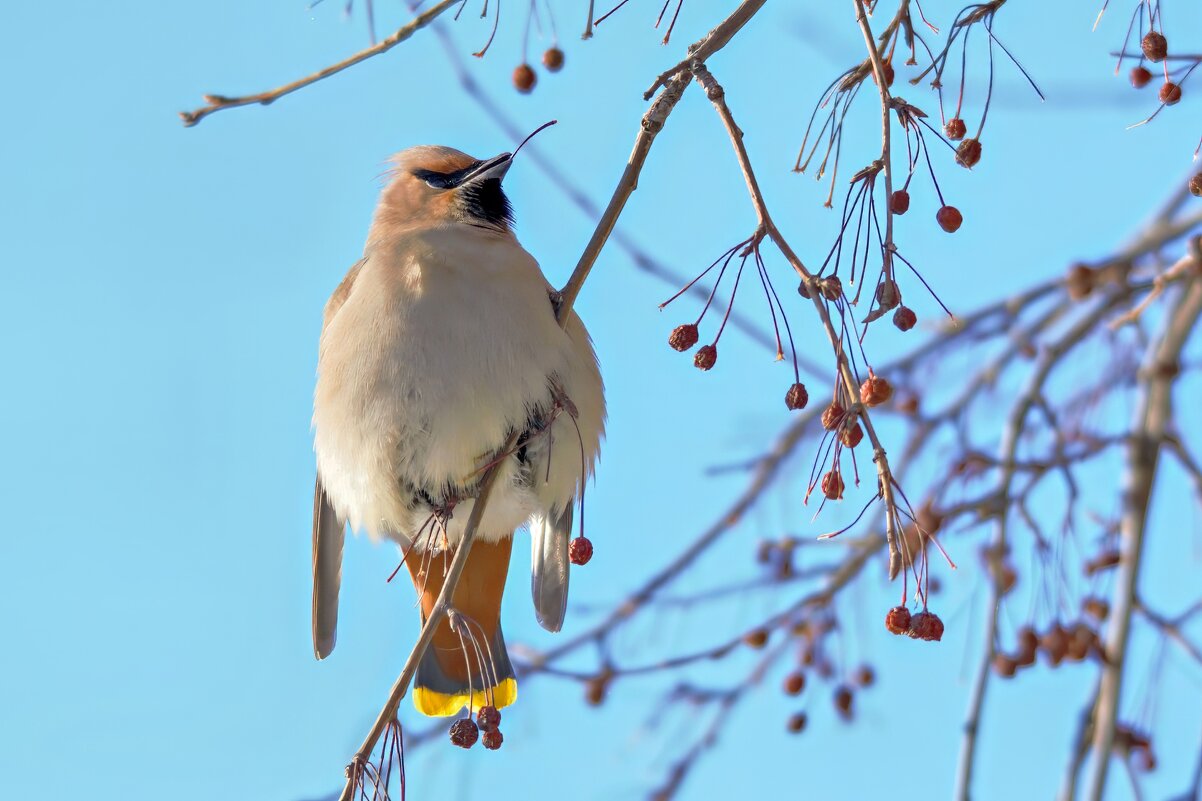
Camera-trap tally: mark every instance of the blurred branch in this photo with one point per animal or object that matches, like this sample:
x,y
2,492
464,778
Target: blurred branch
x,y
1152,423
1013,433
727,701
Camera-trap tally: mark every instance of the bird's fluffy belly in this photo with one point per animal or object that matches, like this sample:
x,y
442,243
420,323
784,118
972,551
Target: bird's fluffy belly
x,y
418,409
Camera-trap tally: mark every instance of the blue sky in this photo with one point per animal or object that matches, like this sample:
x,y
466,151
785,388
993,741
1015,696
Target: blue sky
x,y
165,288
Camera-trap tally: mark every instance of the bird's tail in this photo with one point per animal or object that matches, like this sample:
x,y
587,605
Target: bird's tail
x,y
466,664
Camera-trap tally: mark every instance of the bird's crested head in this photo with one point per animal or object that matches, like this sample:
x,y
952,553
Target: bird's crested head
x,y
435,185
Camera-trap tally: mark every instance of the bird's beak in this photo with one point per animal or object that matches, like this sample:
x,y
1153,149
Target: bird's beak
x,y
495,167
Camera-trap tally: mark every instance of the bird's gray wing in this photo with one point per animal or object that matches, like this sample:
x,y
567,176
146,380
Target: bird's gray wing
x,y
329,532
549,567
328,536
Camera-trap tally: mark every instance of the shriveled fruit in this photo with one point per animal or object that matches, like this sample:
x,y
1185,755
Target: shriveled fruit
x,y
524,78
553,59
949,218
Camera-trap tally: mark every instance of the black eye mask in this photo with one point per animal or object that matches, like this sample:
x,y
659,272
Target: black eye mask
x,y
446,180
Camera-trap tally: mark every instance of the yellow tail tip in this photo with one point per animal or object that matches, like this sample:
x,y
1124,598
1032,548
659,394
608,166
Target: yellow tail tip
x,y
441,705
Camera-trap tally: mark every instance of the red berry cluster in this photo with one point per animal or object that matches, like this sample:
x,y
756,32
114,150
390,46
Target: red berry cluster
x,y
1057,643
1155,48
812,658
925,625
464,732
524,76
685,337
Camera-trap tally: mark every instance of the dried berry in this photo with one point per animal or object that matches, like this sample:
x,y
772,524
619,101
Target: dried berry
x,y
832,287
1103,561
1004,576
949,219
1027,639
706,357
492,739
897,620
1170,93
832,416
850,436
865,676
795,683
524,78
930,518
683,337
832,485
1081,640
488,718
1054,643
553,59
756,638
1140,77
1004,665
875,391
580,550
596,688
888,295
899,201
887,68
1080,281
968,153
1195,185
926,626
1028,644
843,699
797,397
1155,46
1097,608
905,318
797,722
464,733
955,128
804,290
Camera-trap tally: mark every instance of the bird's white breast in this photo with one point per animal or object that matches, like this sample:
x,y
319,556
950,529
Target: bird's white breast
x,y
442,348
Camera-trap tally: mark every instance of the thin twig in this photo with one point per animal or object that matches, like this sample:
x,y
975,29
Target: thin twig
x,y
878,69
767,227
218,102
652,123
441,607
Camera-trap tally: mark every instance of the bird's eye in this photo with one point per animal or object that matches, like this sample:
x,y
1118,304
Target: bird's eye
x,y
434,180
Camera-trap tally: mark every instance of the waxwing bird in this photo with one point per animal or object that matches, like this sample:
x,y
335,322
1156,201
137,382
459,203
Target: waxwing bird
x,y
439,345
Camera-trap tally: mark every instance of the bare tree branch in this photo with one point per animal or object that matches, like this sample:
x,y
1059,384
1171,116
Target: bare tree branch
x,y
215,103
652,124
